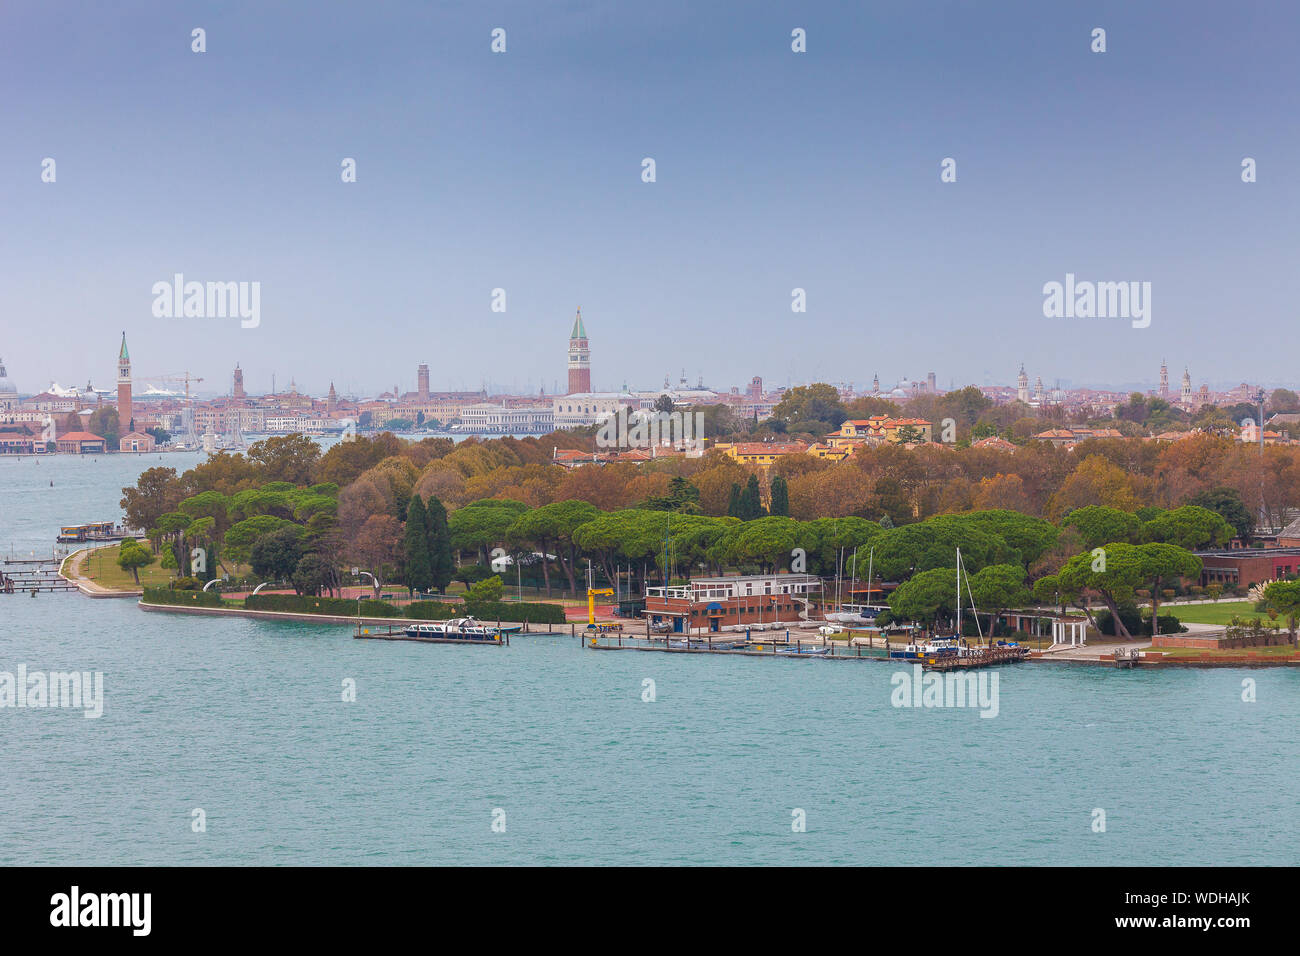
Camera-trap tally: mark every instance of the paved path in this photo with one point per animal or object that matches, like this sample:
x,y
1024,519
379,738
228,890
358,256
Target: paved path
x,y
1094,652
72,571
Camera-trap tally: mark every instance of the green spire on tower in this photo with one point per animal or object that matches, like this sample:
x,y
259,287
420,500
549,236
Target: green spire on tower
x,y
579,332
123,356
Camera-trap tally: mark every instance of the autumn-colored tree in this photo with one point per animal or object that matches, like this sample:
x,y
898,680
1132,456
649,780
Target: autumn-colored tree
x,y
1095,481
1002,491
347,460
156,492
290,458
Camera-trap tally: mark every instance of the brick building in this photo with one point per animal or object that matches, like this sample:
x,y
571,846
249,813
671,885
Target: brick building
x,y
1246,566
733,602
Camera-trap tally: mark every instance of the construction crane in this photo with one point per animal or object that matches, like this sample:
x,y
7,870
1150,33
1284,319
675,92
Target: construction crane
x,y
185,377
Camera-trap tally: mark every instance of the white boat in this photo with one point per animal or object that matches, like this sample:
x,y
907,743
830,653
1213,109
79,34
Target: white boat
x,y
856,613
457,628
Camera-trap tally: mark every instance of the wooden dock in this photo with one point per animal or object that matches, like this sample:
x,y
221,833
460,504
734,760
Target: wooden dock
x,y
1127,659
372,632
737,646
976,657
30,580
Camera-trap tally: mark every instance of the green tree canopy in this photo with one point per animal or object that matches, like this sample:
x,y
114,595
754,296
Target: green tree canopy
x,y
484,524
997,588
818,404
933,543
275,555
1190,527
244,534
132,557
1099,524
1227,503
925,596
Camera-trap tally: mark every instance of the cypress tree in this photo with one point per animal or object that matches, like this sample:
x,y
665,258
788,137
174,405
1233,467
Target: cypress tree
x,y
780,497
419,572
733,503
751,502
441,563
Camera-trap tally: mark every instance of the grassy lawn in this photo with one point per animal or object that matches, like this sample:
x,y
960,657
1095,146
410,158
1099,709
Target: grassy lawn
x,y
1220,613
101,567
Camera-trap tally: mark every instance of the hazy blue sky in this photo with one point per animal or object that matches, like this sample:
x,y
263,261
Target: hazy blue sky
x,y
522,171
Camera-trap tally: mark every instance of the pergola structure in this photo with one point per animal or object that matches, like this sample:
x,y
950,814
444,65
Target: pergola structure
x,y
1065,629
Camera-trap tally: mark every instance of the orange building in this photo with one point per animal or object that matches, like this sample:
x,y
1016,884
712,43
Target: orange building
x,y
877,428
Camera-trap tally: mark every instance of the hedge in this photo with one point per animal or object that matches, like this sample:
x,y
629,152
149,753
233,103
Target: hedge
x,y
431,610
306,604
521,611
182,598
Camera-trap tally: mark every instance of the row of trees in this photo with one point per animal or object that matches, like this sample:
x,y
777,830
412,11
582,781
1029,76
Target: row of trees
x,y
379,475
264,510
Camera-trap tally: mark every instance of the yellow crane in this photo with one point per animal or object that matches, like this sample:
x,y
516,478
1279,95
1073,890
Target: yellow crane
x,y
591,604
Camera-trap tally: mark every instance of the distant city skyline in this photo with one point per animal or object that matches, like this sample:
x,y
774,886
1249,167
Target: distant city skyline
x,y
409,383
522,171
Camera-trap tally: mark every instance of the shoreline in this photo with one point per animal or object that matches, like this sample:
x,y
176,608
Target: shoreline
x,y
326,618
1035,657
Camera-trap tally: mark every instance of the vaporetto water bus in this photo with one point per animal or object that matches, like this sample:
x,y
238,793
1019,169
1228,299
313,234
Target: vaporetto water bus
x,y
461,628
458,630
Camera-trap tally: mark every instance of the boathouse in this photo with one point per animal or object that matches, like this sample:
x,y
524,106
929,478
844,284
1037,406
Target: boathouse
x,y
79,443
732,601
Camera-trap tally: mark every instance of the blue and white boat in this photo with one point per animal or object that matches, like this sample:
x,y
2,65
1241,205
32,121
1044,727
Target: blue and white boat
x,y
939,647
458,629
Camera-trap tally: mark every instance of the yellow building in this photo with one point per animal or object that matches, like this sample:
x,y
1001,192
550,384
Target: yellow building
x,y
877,428
760,453
829,452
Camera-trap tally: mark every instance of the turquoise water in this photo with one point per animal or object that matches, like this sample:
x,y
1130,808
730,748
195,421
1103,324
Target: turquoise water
x,y
245,720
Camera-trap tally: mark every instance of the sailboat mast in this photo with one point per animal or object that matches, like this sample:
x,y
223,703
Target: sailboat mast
x,y
839,572
871,555
959,592
853,581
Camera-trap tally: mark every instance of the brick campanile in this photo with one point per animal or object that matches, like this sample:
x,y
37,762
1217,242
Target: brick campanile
x,y
579,358
124,387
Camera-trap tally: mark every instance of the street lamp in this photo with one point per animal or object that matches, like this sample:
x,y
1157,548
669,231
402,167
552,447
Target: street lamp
x,y
374,582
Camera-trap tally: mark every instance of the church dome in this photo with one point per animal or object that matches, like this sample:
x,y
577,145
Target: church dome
x,y
6,387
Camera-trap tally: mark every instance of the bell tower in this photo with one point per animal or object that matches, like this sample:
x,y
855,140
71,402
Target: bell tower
x,y
124,417
579,358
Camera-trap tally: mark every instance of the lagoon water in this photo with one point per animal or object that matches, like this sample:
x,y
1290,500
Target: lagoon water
x,y
245,720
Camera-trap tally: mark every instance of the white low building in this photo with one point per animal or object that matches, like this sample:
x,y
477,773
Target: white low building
x,y
589,408
526,419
